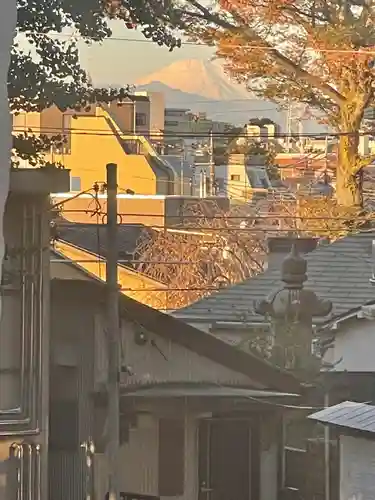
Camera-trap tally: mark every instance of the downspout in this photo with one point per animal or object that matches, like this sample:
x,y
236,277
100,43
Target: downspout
x,y
327,468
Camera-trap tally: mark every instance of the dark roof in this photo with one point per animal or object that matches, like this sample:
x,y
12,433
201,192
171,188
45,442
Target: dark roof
x,y
339,272
93,237
170,328
198,390
348,415
133,97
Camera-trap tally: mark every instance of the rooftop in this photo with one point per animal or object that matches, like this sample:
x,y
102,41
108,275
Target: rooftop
x,y
348,415
93,237
339,272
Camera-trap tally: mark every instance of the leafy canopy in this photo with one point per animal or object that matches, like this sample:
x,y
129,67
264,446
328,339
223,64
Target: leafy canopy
x,y
313,51
317,52
45,70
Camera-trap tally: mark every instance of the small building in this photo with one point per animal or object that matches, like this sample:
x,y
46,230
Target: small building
x,y
196,415
353,424
102,134
158,211
244,177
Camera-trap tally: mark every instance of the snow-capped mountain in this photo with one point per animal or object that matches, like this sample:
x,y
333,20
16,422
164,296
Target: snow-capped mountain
x,y
239,111
202,86
205,78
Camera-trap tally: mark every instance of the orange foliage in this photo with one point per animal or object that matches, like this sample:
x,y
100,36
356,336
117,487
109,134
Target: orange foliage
x,y
316,52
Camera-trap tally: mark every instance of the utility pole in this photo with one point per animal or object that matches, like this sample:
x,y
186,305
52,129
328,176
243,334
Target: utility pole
x,y
288,127
182,180
113,334
212,165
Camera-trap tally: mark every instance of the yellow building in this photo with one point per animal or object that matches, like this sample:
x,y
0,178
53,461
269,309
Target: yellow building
x,y
93,139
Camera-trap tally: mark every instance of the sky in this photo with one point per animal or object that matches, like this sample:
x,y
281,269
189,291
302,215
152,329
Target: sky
x,y
129,56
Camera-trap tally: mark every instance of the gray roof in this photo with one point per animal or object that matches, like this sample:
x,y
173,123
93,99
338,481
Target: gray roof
x,y
198,390
348,415
339,272
93,237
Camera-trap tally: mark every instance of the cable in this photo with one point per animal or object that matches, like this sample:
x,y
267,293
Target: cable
x,y
360,51
60,203
192,135
241,218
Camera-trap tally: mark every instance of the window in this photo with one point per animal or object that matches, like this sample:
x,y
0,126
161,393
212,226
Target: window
x,y
171,124
235,177
140,119
75,184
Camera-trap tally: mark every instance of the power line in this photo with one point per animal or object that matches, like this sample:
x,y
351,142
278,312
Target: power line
x,y
257,230
191,135
360,51
236,217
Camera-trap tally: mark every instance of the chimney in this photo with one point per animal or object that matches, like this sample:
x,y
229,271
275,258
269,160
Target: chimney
x,y
280,246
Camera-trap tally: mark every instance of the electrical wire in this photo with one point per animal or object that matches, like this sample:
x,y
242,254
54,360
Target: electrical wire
x,y
192,135
361,51
241,218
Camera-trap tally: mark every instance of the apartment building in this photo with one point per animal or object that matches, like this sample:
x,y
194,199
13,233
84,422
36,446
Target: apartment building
x,y
100,135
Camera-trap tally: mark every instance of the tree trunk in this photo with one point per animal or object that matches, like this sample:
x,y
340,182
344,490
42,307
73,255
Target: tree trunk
x,y
348,177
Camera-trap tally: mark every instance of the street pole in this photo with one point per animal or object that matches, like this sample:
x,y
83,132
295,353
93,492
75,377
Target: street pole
x,y
212,165
182,180
113,333
326,158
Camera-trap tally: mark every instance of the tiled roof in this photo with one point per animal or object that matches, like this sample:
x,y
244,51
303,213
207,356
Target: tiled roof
x,y
349,415
339,272
93,237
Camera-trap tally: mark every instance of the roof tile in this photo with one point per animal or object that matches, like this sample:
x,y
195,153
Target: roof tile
x,y
340,272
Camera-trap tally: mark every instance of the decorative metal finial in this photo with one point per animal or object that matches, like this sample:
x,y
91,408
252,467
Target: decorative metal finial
x,y
294,269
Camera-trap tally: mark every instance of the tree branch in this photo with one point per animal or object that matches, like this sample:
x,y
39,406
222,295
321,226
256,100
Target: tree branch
x,y
251,35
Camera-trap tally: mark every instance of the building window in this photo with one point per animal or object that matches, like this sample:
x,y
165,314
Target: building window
x,y
140,119
235,177
75,184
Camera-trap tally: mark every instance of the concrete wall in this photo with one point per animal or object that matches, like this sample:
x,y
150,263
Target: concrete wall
x,y
24,327
138,464
157,102
142,117
147,210
123,115
24,319
353,347
93,145
150,366
356,468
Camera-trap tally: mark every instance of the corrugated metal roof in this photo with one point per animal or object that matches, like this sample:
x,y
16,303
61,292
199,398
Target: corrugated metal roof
x,y
349,415
203,390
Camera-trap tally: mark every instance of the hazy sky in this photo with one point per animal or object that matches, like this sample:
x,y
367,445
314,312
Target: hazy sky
x,y
124,61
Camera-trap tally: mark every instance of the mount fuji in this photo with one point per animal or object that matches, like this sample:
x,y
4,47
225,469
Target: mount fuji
x,y
203,86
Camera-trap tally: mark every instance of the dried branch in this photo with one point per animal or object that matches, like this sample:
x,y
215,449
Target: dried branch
x,y
194,263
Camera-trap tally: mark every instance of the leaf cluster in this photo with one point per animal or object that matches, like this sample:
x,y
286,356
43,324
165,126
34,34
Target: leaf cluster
x,y
45,67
